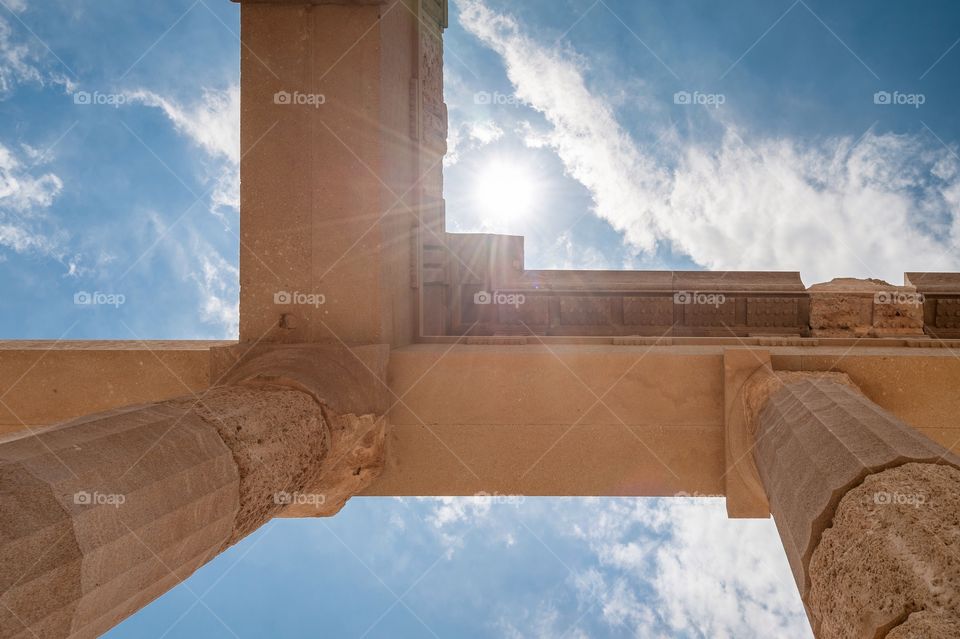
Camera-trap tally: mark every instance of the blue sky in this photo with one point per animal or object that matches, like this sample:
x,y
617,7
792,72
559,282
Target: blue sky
x,y
808,135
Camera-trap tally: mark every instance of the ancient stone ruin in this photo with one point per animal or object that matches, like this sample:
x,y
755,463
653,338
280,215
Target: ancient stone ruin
x,y
439,365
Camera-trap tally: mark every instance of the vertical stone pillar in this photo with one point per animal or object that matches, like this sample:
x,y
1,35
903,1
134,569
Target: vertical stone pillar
x,y
867,507
101,515
337,101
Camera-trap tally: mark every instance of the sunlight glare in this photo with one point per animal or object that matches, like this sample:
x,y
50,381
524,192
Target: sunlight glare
x,y
504,191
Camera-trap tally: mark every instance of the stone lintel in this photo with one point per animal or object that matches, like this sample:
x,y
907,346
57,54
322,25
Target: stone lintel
x,y
48,382
452,389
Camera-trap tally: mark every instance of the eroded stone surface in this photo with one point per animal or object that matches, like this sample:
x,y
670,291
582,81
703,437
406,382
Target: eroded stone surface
x,y
278,437
847,307
817,439
928,625
355,459
893,550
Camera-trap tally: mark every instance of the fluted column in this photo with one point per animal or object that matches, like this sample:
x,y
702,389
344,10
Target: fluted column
x,y
101,515
840,473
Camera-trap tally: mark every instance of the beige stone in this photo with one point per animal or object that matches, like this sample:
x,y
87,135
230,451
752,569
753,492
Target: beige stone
x,y
672,398
816,440
47,382
927,625
330,192
601,383
865,308
101,515
744,370
76,560
889,562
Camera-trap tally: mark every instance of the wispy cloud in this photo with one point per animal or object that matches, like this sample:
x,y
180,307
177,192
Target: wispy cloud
x,y
27,191
22,59
212,123
635,567
218,284
872,205
470,136
711,576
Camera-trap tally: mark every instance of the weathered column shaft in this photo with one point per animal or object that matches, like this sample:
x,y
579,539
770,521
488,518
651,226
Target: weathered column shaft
x,y
821,445
889,565
101,515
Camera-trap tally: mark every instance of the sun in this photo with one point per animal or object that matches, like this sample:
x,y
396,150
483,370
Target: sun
x,y
505,190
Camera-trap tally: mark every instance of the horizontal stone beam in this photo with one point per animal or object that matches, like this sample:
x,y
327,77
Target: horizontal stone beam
x,y
45,382
516,419
527,420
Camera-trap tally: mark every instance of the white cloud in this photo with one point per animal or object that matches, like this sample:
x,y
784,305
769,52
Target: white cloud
x,y
470,136
569,253
726,578
16,64
195,261
637,567
711,576
218,284
26,192
213,124
23,61
827,207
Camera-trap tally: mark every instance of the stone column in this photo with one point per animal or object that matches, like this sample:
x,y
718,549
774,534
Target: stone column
x,y
101,515
867,508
